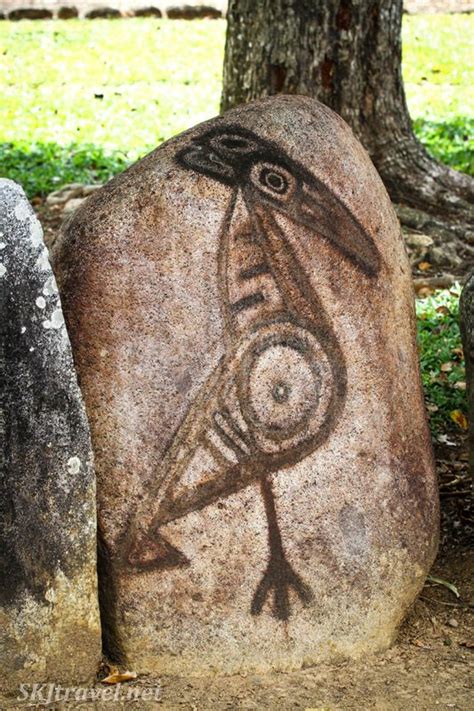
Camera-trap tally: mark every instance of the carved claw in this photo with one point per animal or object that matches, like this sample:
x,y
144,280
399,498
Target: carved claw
x,y
280,577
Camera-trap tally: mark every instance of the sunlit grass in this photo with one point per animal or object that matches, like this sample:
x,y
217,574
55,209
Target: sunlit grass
x,y
122,84
80,99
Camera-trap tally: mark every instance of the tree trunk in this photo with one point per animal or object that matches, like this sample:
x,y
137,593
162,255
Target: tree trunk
x,y
347,54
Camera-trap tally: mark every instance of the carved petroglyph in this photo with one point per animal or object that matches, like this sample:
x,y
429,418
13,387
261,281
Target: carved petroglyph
x,y
277,393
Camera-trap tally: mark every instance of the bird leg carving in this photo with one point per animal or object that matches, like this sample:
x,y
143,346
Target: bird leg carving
x,y
279,576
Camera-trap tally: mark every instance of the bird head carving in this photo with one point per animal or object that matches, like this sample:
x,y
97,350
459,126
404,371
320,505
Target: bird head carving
x,y
268,177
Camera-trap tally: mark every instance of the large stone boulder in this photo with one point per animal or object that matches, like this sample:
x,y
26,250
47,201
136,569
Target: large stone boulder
x,y
241,312
49,616
467,332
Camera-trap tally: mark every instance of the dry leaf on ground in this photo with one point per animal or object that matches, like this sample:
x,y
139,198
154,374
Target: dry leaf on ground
x,y
460,419
119,677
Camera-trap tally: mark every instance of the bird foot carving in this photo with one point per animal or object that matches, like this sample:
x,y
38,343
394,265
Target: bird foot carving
x,y
278,578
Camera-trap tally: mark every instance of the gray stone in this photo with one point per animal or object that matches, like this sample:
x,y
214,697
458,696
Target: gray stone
x,y
89,189
241,312
444,256
418,241
48,591
467,332
72,205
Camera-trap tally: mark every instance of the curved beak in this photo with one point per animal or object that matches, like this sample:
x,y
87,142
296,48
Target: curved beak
x,y
202,159
319,209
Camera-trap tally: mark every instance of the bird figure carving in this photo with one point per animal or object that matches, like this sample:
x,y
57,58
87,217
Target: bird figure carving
x,y
278,391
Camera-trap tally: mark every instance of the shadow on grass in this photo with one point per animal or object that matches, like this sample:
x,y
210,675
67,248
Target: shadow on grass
x,y
43,167
450,141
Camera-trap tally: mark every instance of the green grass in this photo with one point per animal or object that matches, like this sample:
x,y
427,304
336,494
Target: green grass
x,y
81,99
442,360
95,95
438,72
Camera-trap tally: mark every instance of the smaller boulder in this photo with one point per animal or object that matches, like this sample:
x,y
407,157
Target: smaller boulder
x,y
193,12
67,13
49,617
103,13
148,12
72,205
30,13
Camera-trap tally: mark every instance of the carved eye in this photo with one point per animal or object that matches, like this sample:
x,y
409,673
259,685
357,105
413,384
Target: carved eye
x,y
274,180
232,144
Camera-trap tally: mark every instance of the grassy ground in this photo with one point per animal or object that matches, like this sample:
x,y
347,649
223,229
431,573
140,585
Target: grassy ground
x,y
442,361
81,99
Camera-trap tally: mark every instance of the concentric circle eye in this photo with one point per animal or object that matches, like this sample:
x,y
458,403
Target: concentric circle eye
x,y
284,386
274,180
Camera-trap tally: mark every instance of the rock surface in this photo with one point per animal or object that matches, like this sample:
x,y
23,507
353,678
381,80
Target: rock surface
x,y
71,196
241,312
48,591
467,332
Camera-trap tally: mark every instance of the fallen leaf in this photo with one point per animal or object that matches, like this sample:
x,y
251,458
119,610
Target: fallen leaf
x,y
460,419
419,643
119,677
442,310
467,643
424,266
446,367
458,351
460,385
444,439
423,292
445,583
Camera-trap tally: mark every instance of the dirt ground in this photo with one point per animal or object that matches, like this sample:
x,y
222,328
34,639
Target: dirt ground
x,y
429,667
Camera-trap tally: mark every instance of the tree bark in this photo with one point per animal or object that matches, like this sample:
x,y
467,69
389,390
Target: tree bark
x,y
347,54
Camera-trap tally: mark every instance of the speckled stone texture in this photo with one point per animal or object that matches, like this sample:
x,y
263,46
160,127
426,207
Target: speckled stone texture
x,y
241,313
49,616
467,331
